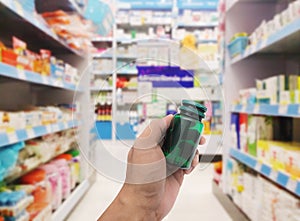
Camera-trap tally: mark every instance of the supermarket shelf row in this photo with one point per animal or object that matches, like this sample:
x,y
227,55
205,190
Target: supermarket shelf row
x,y
291,110
197,25
135,40
110,56
30,133
14,10
283,41
283,179
32,77
17,174
129,72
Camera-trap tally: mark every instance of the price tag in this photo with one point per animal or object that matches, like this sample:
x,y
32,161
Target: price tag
x,y
244,107
256,109
258,166
12,137
45,80
58,83
30,133
49,129
292,184
283,109
21,74
66,125
55,127
263,43
273,175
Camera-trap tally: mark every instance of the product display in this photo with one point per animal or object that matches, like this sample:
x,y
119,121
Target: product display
x,y
259,198
42,63
80,80
34,117
281,89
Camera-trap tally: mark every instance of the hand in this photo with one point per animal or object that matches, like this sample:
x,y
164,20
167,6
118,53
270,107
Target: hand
x,y
150,190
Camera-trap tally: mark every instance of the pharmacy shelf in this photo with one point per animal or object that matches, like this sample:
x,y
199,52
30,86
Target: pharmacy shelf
x,y
283,179
110,56
102,39
140,25
32,77
285,40
13,13
63,211
197,25
291,110
30,133
231,208
17,174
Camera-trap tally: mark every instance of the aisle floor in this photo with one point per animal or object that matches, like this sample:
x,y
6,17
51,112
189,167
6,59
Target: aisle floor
x,y
195,201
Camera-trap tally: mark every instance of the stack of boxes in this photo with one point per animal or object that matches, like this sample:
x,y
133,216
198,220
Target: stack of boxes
x,y
42,63
281,89
258,135
258,198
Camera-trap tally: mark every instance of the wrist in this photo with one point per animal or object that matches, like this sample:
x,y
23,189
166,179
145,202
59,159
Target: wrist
x,y
137,206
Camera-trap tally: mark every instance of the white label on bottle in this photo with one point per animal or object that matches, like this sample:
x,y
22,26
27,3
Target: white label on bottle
x,y
30,133
283,109
256,109
12,137
273,175
299,110
292,184
258,166
21,74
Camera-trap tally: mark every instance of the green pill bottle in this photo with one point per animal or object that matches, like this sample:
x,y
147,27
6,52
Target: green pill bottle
x,y
183,135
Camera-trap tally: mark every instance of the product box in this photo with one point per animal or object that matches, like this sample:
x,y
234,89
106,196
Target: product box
x,y
263,151
259,127
243,122
234,130
291,159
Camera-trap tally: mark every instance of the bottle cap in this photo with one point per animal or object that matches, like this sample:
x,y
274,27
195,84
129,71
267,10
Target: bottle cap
x,y
192,112
194,104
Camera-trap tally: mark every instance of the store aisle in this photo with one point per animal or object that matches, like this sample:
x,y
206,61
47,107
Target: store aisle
x,y
195,201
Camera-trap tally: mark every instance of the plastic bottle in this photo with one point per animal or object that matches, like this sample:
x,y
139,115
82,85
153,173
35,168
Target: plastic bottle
x,y
183,135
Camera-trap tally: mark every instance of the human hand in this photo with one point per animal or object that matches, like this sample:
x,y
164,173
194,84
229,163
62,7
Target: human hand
x,y
151,186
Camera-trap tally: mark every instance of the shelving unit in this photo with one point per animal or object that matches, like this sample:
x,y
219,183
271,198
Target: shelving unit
x,y
283,41
32,77
281,178
26,88
289,110
275,55
30,133
15,14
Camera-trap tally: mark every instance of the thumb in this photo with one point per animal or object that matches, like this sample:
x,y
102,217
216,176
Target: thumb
x,y
153,133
